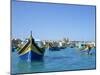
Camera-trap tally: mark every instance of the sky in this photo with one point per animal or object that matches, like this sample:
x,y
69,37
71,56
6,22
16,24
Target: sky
x,y
50,21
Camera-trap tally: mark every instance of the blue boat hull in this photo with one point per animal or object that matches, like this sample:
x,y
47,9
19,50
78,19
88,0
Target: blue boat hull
x,y
31,56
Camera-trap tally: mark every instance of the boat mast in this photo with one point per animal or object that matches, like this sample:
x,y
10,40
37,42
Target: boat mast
x,y
31,38
30,34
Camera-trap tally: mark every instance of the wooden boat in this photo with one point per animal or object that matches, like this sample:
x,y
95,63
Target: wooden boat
x,y
87,49
30,51
53,48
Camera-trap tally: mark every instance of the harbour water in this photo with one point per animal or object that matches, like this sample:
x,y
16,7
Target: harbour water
x,y
66,59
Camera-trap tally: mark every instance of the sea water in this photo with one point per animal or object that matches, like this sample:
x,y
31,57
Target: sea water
x,y
66,59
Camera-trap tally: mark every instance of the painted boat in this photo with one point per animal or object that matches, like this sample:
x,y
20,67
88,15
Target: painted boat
x,y
86,49
52,47
30,51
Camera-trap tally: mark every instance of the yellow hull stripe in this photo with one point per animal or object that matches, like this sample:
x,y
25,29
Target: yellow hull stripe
x,y
86,48
29,48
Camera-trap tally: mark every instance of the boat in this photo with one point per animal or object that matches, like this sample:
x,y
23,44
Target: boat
x,y
53,47
62,45
30,50
87,49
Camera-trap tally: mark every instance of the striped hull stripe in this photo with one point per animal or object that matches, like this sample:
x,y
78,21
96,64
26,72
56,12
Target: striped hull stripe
x,y
30,46
31,56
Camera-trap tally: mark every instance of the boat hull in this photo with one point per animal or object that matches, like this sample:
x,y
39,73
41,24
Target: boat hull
x,y
31,56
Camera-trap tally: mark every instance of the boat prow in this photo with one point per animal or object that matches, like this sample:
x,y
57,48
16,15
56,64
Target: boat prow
x,y
30,51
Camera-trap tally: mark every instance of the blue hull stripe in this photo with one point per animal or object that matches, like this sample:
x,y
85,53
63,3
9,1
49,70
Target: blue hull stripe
x,y
31,56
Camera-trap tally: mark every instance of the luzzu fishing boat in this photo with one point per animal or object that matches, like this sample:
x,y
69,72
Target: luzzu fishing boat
x,y
53,47
30,51
87,48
